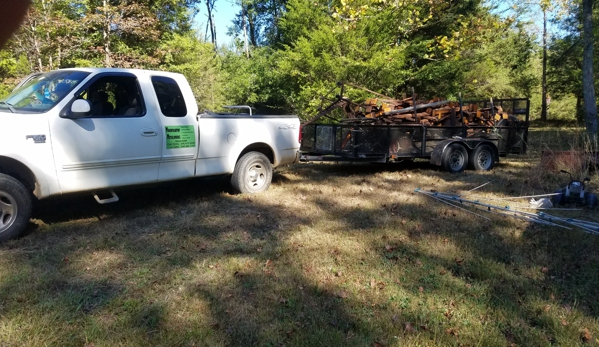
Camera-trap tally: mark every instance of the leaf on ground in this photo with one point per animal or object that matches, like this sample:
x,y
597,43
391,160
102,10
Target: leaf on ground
x,y
452,331
585,335
372,283
563,322
409,328
442,272
343,294
459,261
268,263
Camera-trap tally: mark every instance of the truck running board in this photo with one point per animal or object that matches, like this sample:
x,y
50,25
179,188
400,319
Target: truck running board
x,y
113,198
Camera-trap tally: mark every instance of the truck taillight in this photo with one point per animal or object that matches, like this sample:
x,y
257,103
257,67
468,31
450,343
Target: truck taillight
x,y
299,136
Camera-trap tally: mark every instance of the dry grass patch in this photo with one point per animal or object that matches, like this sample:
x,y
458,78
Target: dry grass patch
x,y
332,254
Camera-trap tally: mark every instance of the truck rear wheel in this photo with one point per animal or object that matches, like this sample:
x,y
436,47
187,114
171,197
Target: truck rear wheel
x,y
15,208
455,158
482,158
253,173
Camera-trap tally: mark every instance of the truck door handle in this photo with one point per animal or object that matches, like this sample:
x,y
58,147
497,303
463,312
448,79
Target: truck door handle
x,y
148,132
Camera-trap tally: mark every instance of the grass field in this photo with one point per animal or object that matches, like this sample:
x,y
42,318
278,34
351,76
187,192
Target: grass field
x,y
330,255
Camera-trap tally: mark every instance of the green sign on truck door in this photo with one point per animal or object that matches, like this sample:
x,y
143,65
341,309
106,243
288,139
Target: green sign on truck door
x,y
180,136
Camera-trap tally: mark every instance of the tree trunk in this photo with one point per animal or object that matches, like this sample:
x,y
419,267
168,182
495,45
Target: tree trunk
x,y
106,35
252,29
245,32
544,77
210,7
579,111
588,86
36,47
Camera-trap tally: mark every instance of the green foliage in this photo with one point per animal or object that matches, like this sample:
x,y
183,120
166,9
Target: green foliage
x,y
196,60
299,49
256,81
11,67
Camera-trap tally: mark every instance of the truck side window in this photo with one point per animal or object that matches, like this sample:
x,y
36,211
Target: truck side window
x,y
114,96
169,96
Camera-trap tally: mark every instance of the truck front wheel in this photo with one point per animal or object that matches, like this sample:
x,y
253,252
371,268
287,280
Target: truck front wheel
x,y
482,158
455,158
15,208
253,173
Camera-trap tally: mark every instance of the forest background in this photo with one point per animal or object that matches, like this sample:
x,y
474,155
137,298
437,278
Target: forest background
x,y
286,54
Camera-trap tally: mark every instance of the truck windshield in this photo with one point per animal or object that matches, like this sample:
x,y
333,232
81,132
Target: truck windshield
x,y
41,92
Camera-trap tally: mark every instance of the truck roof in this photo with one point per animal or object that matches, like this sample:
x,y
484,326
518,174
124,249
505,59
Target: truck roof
x,y
135,71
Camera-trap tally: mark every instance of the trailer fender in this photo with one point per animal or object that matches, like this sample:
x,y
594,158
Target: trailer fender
x,y
469,144
437,154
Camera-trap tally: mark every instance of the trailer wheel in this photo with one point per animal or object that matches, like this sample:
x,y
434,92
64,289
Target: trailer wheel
x,y
15,208
560,198
591,199
253,174
482,158
455,158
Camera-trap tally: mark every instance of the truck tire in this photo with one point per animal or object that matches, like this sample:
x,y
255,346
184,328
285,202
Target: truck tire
x,y
15,208
482,158
454,158
253,174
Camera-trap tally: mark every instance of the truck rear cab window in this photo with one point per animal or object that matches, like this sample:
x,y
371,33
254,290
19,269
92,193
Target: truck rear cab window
x,y
114,96
169,96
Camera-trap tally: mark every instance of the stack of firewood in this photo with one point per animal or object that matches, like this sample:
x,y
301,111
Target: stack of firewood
x,y
434,112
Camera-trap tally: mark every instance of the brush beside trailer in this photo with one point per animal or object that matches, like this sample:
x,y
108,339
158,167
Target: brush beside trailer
x,y
454,143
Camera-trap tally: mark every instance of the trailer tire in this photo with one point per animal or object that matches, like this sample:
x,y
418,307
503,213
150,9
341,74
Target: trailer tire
x,y
454,158
253,174
15,208
591,199
560,198
482,158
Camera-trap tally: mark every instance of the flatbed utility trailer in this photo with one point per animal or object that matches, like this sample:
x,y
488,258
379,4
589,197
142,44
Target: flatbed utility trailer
x,y
454,146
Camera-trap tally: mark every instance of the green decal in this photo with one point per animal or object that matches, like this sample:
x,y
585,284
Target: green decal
x,y
180,136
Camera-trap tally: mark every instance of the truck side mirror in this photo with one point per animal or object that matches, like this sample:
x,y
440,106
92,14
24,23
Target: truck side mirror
x,y
80,108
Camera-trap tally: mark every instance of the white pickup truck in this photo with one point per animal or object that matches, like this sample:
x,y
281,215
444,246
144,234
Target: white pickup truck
x,y
95,130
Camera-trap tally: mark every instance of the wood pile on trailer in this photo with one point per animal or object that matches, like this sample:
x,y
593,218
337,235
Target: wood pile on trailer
x,y
431,113
384,110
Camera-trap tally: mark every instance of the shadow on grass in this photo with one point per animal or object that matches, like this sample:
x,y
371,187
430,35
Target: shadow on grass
x,y
186,263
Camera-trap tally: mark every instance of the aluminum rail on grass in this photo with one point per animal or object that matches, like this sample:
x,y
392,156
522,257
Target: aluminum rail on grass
x,y
506,211
540,218
454,205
